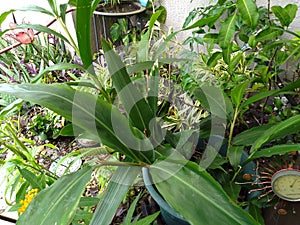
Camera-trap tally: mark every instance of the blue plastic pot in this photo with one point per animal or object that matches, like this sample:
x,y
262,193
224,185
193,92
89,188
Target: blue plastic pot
x,y
169,215
143,2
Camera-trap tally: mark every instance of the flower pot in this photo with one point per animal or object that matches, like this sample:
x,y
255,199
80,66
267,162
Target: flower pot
x,y
104,17
168,213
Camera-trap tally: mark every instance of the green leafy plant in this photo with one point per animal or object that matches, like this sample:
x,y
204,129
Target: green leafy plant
x,y
22,169
248,52
120,32
141,129
45,124
250,43
132,128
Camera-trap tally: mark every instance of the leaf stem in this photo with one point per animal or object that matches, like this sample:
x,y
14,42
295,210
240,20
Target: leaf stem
x,y
232,126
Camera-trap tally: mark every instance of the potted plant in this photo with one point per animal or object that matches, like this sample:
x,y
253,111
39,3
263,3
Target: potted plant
x,y
107,13
136,130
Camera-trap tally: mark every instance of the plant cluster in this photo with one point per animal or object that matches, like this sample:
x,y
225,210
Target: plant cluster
x,y
199,123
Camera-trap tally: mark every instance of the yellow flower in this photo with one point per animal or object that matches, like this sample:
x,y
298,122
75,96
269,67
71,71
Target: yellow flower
x,y
28,198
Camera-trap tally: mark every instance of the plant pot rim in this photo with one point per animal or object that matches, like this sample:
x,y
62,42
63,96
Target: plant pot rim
x,y
119,14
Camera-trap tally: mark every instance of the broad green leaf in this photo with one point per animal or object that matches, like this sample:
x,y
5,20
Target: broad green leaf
x,y
142,54
193,188
227,31
88,201
268,34
211,38
154,18
53,5
226,53
213,160
234,155
237,93
143,45
12,106
136,106
261,95
279,130
285,15
20,195
292,11
153,89
83,32
31,178
63,10
275,150
213,59
204,21
232,189
67,130
85,110
235,61
213,99
249,136
4,15
83,215
57,203
115,31
117,188
35,8
248,11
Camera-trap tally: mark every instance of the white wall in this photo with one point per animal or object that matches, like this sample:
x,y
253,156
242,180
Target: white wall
x,y
178,10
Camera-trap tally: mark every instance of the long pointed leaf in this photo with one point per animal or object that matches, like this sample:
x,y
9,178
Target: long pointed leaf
x,y
214,101
268,34
237,93
83,31
275,150
122,179
204,21
234,155
57,204
261,95
279,130
227,31
138,109
249,12
86,111
195,195
5,14
35,8
248,137
285,15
